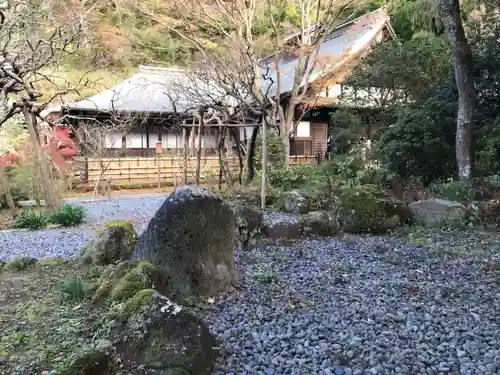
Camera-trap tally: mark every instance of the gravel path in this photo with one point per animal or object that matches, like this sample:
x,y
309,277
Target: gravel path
x,y
67,242
373,307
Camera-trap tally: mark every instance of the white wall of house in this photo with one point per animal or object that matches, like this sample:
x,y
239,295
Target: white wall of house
x,y
171,140
303,129
135,140
138,139
113,139
332,91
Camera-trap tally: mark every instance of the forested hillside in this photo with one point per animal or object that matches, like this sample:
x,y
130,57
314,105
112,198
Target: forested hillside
x,y
123,35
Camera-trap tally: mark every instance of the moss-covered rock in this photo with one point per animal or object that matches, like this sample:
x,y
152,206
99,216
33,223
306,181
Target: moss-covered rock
x,y
137,302
112,243
140,277
320,223
366,209
162,336
19,263
191,239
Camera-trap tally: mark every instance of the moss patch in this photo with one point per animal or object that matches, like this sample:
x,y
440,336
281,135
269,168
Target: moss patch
x,y
40,334
124,280
136,303
54,262
125,224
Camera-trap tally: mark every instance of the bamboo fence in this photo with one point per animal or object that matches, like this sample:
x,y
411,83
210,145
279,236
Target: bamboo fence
x,y
161,171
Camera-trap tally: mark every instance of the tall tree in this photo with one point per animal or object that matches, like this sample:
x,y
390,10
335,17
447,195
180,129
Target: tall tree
x,y
461,57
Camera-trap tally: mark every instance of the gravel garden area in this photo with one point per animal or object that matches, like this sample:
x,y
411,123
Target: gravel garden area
x,y
357,305
366,306
65,242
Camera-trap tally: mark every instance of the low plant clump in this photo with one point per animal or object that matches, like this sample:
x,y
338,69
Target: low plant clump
x,y
67,215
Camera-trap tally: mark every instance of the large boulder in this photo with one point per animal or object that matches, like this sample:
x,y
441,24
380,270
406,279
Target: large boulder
x,y
279,225
164,338
320,223
295,202
191,239
248,225
114,242
438,211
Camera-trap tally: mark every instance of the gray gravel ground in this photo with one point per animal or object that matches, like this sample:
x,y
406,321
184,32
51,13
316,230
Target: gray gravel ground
x,y
322,307
67,242
378,306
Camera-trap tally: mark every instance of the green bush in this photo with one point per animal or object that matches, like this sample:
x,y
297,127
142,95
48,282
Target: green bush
x,y
68,215
31,219
293,176
454,191
421,142
275,151
360,209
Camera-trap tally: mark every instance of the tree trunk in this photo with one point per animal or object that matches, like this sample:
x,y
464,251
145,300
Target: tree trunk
x,y
235,132
251,154
285,138
263,187
198,152
52,201
461,54
223,167
5,186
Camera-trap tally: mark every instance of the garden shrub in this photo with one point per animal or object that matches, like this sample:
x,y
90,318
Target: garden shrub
x,y
361,209
293,176
31,219
421,142
73,289
68,215
452,190
275,151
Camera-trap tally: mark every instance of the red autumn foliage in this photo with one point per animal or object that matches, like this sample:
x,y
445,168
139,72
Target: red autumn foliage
x,y
59,146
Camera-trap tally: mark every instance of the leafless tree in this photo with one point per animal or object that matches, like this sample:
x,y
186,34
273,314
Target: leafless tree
x,y
449,11
235,59
32,45
99,139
